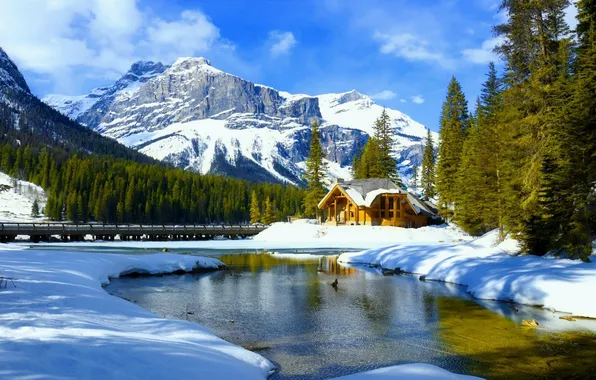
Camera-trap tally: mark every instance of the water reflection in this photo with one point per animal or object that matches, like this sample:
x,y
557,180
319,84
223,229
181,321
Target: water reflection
x,y
284,306
260,261
501,349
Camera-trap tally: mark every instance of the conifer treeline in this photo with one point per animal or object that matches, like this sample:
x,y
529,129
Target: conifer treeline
x,y
525,161
106,189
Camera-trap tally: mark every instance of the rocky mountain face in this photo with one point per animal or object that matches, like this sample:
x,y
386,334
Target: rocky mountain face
x,y
200,118
10,76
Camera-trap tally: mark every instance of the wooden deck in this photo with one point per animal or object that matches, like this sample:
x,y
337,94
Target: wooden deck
x,y
77,232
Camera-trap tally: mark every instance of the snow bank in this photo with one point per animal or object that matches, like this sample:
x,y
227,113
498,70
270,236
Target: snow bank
x,y
16,202
58,322
408,371
491,273
299,233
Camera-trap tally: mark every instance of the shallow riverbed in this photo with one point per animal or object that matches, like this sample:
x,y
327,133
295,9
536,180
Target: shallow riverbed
x,y
283,307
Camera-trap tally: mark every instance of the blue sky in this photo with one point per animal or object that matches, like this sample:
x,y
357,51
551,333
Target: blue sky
x,y
401,52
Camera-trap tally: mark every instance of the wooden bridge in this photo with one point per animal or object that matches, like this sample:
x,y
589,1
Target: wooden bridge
x,y
76,232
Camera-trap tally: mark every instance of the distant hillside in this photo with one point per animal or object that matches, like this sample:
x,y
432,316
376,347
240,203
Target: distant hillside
x,y
24,119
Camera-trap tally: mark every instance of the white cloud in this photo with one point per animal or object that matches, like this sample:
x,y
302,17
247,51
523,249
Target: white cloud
x,y
282,42
384,95
484,54
403,101
409,47
193,33
96,37
418,99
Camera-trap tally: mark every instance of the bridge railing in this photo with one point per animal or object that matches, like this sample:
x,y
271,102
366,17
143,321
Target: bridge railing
x,y
114,229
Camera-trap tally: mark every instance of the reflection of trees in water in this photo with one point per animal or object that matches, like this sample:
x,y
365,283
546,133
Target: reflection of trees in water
x,y
257,262
502,349
430,308
314,297
265,261
329,265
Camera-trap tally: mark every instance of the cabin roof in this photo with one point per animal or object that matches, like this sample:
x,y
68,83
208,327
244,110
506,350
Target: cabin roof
x,y
363,193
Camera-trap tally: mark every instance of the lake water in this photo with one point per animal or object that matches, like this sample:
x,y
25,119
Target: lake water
x,y
284,308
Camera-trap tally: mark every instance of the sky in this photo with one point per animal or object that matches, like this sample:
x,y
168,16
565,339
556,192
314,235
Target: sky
x,y
402,53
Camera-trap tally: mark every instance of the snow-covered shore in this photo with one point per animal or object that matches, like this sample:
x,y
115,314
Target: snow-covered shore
x,y
491,273
356,236
58,322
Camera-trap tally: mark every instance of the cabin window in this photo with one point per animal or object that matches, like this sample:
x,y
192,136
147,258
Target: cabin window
x,y
351,214
382,207
391,204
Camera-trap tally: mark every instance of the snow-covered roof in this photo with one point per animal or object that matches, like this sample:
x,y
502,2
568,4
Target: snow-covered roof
x,y
363,193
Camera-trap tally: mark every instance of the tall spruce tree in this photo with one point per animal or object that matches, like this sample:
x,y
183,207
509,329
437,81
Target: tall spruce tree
x,y
427,178
454,125
384,138
536,49
369,164
269,212
255,210
471,183
572,185
478,208
316,174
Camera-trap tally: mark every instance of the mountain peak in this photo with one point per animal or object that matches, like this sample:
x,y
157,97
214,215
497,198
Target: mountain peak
x,y
191,61
10,76
350,96
140,68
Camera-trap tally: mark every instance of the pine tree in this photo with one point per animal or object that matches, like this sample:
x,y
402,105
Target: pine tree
x,y
383,135
316,174
454,124
477,207
35,209
470,180
427,179
537,52
269,213
572,184
255,210
369,164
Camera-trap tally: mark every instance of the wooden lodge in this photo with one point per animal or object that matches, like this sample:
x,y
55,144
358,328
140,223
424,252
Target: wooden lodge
x,y
374,202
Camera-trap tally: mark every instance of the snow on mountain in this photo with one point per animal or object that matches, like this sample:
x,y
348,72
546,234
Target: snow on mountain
x,y
200,118
71,105
357,111
10,76
125,87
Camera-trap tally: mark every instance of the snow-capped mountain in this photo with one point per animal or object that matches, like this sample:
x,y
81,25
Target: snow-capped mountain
x,y
74,106
10,76
200,118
